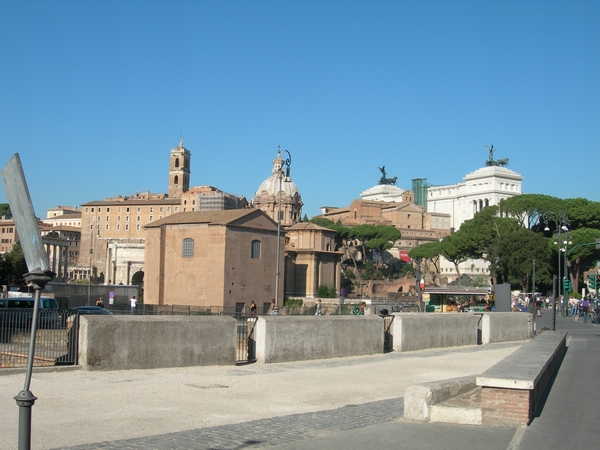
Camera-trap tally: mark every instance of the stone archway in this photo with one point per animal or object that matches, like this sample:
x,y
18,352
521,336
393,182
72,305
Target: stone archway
x,y
138,279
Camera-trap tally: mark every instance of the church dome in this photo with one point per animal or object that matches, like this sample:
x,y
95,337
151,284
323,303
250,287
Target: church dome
x,y
270,187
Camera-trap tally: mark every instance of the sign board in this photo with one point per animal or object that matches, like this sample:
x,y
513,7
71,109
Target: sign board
x,y
24,216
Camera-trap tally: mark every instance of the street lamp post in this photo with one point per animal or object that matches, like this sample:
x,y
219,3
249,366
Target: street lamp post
x,y
560,220
283,176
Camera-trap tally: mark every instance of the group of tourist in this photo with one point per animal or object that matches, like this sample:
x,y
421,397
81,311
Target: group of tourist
x,y
586,308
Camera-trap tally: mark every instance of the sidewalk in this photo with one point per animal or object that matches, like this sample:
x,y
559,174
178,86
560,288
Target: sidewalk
x,y
333,404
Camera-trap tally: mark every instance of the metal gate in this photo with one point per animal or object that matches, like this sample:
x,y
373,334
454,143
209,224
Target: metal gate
x,y
245,343
55,342
388,337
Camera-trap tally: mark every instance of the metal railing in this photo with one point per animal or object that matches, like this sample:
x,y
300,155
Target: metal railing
x,y
56,338
388,337
245,342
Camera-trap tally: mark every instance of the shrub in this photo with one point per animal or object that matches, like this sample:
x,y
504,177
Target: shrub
x,y
293,302
325,291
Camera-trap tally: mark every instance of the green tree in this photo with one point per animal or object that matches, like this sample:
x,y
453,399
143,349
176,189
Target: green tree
x,y
529,208
5,210
582,258
512,258
430,251
374,237
14,266
342,237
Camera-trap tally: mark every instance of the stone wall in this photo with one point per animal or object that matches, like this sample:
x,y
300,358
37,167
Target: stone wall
x,y
300,338
418,331
148,342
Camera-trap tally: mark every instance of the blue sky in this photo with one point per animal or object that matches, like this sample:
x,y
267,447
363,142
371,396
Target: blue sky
x,y
94,94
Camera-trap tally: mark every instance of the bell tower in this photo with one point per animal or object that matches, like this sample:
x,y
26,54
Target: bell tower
x,y
179,171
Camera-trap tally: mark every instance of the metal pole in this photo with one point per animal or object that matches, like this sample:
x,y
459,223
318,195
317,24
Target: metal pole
x,y
554,293
275,311
566,276
25,399
533,290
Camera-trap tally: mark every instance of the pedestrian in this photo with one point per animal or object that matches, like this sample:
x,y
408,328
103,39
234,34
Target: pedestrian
x,y
252,309
272,308
318,312
133,303
99,302
538,306
585,309
361,310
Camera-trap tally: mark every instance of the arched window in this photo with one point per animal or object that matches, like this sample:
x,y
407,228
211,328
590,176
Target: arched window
x,y
176,180
188,248
176,162
255,251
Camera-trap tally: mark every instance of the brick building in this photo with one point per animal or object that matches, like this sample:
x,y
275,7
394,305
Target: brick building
x,y
218,260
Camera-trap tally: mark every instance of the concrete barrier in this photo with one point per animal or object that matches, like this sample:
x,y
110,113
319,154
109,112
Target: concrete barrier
x,y
148,342
421,400
418,331
504,327
512,389
301,338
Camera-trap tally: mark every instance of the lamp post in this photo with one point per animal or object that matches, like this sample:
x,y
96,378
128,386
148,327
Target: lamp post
x,y
560,220
283,176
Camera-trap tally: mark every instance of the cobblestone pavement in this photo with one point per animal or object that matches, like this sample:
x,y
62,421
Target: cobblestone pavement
x,y
266,432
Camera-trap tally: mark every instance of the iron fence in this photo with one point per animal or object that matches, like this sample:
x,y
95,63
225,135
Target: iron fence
x,y
55,343
388,337
245,342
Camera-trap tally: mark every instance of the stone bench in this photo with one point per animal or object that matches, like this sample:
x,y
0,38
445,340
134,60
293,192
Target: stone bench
x,y
424,401
511,390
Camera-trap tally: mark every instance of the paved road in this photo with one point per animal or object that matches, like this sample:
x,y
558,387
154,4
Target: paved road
x,y
345,403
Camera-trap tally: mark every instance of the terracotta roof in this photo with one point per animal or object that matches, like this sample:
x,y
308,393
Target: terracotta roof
x,y
218,217
308,226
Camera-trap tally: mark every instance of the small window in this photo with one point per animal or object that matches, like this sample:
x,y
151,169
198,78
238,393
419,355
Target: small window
x,y
188,248
255,253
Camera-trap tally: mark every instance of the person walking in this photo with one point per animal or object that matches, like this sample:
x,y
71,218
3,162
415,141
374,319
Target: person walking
x,y
133,303
252,309
319,311
99,302
585,309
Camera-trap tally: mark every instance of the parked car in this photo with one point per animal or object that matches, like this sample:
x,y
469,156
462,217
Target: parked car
x,y
91,310
17,312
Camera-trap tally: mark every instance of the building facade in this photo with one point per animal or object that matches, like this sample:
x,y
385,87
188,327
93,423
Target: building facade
x,y
486,186
310,260
217,260
112,230
416,225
